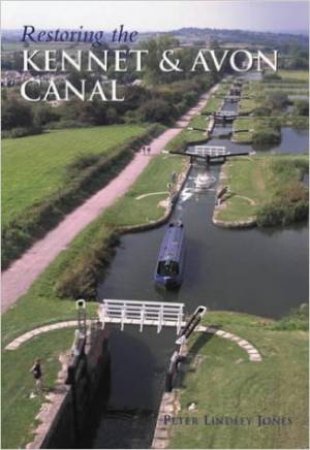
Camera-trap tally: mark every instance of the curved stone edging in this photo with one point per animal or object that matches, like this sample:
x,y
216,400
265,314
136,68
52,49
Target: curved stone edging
x,y
16,343
252,352
249,223
163,219
150,194
237,224
245,345
235,141
169,406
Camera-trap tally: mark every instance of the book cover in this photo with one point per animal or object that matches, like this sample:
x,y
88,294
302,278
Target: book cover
x,y
154,224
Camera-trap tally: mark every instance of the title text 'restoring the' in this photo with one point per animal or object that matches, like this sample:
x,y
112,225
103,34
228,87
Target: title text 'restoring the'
x,y
60,61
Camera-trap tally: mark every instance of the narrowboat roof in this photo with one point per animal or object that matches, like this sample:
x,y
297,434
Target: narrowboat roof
x,y
172,243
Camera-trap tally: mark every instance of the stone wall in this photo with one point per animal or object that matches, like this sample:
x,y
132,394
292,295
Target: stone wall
x,y
91,376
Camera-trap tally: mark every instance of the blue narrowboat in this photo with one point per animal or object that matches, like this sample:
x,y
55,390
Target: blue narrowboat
x,y
171,258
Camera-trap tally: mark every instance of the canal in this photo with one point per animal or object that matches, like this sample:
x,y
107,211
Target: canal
x,y
256,271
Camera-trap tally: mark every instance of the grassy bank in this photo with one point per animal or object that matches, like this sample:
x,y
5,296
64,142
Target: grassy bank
x,y
247,105
185,138
18,409
137,207
35,167
84,176
294,75
243,123
264,182
212,105
223,382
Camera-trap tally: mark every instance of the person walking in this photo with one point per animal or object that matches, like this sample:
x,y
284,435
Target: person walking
x,y
36,371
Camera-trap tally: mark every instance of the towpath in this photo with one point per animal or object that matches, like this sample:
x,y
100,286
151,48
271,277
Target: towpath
x,y
18,278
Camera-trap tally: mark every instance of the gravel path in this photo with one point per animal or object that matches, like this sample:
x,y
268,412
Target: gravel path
x,y
18,278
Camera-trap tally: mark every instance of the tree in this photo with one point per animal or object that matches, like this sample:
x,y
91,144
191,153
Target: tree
x,y
157,110
302,108
45,114
16,114
277,101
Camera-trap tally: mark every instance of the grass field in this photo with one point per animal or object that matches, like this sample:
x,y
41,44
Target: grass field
x,y
212,105
18,410
299,75
248,179
200,121
180,142
132,211
254,182
243,123
223,382
36,166
223,88
246,105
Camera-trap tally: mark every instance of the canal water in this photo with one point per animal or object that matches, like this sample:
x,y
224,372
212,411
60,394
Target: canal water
x,y
257,271
138,368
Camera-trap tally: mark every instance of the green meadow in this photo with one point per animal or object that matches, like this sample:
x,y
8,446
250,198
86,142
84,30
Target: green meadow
x,y
295,75
18,408
140,205
222,381
35,167
257,181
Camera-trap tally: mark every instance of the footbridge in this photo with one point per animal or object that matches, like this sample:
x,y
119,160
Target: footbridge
x,y
142,313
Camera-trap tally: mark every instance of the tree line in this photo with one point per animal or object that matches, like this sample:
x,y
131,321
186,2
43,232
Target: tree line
x,y
157,96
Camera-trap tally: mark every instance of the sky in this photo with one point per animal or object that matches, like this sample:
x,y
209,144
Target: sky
x,y
165,15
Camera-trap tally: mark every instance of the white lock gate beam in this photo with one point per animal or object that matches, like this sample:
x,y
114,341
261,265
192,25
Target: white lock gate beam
x,y
142,313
